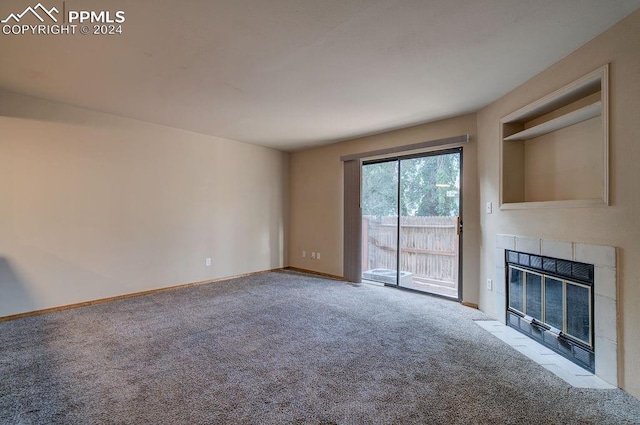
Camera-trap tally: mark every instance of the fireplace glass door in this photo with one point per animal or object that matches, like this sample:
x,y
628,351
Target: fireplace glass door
x,y
578,307
560,305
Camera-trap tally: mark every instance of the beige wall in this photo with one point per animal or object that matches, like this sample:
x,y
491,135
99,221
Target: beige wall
x,y
617,225
93,206
549,176
316,221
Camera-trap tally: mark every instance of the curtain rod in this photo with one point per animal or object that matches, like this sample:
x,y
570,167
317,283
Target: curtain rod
x,y
422,145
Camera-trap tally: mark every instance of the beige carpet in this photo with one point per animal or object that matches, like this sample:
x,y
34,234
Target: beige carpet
x,y
281,348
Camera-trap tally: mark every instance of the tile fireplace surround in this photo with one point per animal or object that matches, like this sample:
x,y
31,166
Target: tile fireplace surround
x,y
605,301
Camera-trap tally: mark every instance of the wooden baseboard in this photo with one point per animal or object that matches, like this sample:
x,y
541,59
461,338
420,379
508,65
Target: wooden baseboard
x,y
126,296
468,304
330,276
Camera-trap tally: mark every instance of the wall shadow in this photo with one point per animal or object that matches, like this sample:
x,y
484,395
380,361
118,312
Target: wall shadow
x,y
14,289
20,106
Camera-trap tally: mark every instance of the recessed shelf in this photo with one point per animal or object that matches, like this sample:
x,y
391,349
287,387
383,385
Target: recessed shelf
x,y
585,113
554,151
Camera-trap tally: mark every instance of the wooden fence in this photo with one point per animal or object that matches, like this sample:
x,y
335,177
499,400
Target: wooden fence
x,y
429,246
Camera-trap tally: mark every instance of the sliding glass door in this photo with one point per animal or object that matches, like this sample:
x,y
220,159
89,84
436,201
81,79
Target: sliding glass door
x,y
410,222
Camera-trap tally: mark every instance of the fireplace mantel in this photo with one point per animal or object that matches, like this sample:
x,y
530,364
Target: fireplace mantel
x,y
605,301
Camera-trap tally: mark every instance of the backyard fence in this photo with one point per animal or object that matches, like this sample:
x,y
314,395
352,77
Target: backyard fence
x,y
428,246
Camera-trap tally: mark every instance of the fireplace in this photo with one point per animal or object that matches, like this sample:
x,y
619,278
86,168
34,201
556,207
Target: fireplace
x,y
551,300
604,299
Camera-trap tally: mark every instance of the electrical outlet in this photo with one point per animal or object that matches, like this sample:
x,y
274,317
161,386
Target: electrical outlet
x,y
317,255
207,262
489,207
489,284
304,254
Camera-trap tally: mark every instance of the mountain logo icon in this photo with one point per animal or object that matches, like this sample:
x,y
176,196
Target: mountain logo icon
x,y
34,11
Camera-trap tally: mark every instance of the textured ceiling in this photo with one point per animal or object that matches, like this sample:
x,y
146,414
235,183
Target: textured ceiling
x,y
290,74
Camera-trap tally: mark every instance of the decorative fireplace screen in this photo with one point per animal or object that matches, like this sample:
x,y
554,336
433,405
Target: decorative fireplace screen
x,y
551,300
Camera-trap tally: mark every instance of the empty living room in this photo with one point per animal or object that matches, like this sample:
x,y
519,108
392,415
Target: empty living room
x,y
319,211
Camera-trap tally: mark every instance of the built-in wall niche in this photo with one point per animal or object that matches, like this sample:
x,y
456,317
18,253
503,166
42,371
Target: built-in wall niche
x,y
554,152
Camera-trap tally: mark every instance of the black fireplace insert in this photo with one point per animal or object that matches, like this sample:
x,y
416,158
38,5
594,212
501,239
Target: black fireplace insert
x,y
551,300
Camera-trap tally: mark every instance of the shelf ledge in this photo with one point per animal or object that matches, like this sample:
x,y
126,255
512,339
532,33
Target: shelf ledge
x,y
575,117
573,203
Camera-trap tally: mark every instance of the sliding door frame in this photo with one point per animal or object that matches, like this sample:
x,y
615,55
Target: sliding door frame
x,y
399,159
352,252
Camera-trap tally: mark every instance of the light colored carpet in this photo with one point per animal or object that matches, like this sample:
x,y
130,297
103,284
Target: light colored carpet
x,y
281,348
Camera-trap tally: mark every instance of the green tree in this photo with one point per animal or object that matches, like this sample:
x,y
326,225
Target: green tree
x,y
429,186
379,189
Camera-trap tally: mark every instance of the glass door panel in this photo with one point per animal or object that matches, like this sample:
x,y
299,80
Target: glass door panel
x,y
534,296
429,214
579,312
516,289
553,305
380,222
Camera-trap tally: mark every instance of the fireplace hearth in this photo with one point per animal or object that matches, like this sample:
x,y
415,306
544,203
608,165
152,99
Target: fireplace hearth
x,y
552,301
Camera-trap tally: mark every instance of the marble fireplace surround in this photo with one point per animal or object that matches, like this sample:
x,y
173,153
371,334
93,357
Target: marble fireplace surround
x,y
605,295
